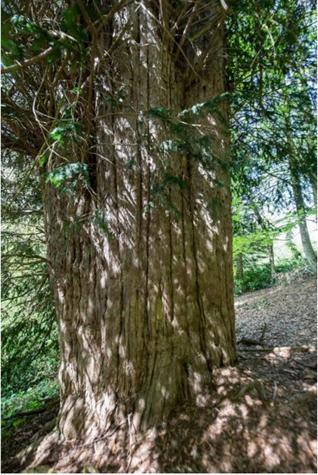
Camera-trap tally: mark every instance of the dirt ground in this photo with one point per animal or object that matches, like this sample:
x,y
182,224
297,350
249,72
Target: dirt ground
x,y
260,419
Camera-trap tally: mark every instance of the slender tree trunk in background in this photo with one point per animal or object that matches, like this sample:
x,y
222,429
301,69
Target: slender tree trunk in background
x,y
271,257
313,183
264,225
239,267
309,252
141,263
291,245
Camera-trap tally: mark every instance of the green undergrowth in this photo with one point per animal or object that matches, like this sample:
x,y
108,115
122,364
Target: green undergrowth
x,y
14,406
259,276
289,265
254,278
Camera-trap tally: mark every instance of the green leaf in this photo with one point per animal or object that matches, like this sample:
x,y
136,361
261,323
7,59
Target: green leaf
x,y
160,113
57,133
67,172
204,107
18,422
43,158
65,129
24,24
72,25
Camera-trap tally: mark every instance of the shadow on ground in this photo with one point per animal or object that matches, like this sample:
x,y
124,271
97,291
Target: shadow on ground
x,y
260,419
249,425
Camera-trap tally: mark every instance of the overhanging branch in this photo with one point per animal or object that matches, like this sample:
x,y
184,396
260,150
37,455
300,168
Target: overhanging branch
x,y
28,62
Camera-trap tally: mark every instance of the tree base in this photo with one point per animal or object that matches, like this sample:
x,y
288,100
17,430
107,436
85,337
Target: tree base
x,y
118,442
239,429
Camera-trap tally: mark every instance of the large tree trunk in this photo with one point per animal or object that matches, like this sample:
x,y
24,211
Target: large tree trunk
x,y
141,261
309,252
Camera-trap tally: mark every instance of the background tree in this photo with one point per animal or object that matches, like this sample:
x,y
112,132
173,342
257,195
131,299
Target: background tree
x,y
273,111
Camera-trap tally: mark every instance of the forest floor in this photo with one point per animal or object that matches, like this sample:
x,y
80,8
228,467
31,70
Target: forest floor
x,y
261,418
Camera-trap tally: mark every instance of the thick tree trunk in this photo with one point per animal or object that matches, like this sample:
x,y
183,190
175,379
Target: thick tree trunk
x,y
309,252
141,264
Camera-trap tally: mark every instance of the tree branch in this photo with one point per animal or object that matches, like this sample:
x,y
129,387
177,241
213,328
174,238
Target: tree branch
x,y
28,62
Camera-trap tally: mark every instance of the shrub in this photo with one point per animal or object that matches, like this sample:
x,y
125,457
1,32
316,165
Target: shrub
x,y
255,278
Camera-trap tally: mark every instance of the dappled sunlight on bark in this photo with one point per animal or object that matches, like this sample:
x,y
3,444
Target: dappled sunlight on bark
x,y
141,257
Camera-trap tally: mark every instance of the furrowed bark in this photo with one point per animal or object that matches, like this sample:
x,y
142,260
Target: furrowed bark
x,y
143,279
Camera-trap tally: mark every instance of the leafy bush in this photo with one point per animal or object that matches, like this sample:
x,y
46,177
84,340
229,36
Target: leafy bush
x,y
288,265
24,401
258,277
28,400
255,278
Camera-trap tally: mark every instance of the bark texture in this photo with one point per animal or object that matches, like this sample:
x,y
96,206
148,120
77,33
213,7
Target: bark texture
x,y
141,259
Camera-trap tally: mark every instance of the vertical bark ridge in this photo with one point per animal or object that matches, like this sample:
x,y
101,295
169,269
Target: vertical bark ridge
x,y
185,267
202,317
148,196
118,232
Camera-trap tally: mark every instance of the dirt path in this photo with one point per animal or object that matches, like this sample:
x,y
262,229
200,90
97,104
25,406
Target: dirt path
x,y
261,417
